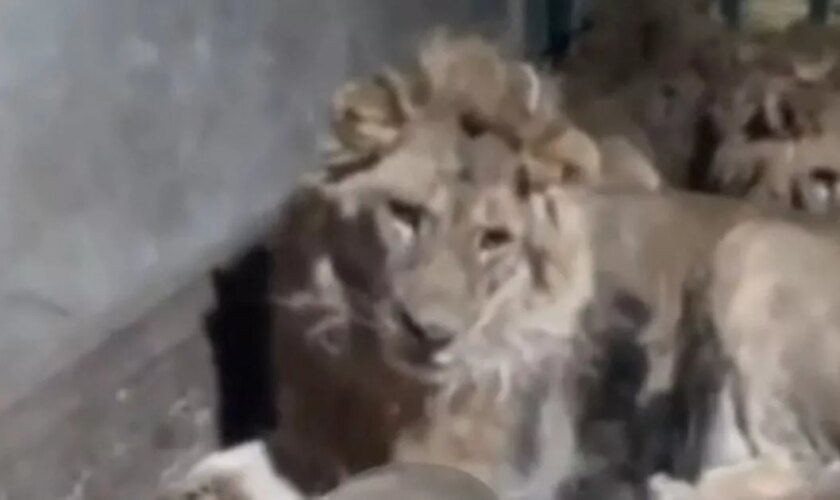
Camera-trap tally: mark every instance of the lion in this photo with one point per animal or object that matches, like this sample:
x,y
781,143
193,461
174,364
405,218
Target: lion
x,y
398,142
744,115
524,104
769,130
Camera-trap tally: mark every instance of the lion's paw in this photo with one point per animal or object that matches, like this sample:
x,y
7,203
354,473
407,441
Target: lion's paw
x,y
241,473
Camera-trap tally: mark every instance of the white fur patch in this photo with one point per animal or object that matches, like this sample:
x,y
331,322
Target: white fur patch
x,y
664,487
241,473
726,445
534,89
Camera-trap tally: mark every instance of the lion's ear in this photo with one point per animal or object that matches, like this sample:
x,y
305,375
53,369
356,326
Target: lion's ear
x,y
562,155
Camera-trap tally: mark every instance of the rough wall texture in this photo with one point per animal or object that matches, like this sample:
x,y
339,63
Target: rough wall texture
x,y
136,136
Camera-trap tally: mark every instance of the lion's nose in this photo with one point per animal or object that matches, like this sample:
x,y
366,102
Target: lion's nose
x,y
431,335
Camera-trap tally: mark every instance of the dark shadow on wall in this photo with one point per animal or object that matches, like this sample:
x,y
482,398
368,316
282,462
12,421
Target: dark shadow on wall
x,y
239,329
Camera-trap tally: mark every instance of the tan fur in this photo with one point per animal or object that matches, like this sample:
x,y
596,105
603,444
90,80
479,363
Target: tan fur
x,y
774,304
758,479
637,132
468,75
773,295
489,91
785,353
752,480
649,244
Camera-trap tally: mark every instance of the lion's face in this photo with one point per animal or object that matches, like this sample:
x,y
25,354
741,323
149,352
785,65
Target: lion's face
x,y
464,267
452,252
773,137
484,272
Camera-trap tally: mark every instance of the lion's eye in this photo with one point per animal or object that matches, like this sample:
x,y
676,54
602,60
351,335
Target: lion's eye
x,y
494,238
407,213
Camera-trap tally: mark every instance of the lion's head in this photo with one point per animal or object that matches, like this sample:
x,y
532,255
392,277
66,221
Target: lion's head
x,y
486,270
415,153
771,133
412,147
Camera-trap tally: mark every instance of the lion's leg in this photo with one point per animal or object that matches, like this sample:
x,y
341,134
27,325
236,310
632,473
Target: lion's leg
x,y
282,463
827,484
245,472
774,425
754,298
756,479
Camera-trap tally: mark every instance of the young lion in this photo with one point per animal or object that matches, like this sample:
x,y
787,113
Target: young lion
x,y
398,144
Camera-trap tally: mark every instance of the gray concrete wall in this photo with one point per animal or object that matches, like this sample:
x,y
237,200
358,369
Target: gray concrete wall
x,y
138,136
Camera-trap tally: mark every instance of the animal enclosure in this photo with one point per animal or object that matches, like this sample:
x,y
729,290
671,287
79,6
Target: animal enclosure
x,y
149,146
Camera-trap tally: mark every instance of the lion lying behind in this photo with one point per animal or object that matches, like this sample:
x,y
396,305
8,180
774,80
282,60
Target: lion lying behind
x,y
749,116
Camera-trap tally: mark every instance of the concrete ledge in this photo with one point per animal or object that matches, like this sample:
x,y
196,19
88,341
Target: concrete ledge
x,y
123,418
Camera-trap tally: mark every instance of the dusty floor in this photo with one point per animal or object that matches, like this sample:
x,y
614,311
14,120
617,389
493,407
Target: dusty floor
x,y
133,413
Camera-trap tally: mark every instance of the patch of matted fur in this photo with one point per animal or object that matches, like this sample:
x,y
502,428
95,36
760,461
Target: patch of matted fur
x,y
331,301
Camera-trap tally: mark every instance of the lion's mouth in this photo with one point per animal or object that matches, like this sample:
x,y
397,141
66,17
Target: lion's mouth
x,y
413,357
420,370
